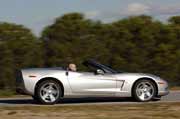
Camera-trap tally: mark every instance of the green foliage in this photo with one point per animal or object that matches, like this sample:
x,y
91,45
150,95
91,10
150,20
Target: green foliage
x,y
19,48
71,39
134,44
175,20
7,93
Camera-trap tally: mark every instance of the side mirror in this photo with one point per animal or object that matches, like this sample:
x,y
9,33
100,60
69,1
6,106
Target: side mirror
x,y
99,71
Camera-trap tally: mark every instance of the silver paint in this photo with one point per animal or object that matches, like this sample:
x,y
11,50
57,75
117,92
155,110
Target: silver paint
x,y
86,84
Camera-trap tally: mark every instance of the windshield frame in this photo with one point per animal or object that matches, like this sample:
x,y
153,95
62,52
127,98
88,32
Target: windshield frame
x,y
97,65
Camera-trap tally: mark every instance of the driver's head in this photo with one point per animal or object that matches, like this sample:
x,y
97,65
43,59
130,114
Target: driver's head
x,y
72,67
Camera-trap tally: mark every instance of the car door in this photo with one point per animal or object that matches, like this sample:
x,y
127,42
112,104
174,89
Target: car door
x,y
90,84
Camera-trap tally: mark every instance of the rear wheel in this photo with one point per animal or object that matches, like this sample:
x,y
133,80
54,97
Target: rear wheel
x,y
144,90
48,92
35,98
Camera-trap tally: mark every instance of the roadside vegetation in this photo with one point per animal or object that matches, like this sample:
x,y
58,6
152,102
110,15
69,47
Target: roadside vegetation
x,y
175,88
107,111
7,93
133,44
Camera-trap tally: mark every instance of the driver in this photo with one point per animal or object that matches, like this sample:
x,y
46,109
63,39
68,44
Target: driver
x,y
72,67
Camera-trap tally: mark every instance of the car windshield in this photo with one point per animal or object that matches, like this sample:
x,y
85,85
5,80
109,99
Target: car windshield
x,y
95,65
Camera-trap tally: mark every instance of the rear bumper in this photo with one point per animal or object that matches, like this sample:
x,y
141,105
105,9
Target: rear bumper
x,y
20,87
20,91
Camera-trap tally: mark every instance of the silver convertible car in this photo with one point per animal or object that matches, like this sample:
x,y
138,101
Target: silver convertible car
x,y
50,85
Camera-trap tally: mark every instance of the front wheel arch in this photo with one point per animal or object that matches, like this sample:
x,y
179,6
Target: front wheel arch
x,y
50,78
145,78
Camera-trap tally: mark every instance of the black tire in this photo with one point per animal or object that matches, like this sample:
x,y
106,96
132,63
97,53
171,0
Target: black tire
x,y
35,98
156,99
134,90
38,96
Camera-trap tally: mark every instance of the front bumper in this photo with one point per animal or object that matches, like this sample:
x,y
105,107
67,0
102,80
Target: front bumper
x,y
163,93
163,88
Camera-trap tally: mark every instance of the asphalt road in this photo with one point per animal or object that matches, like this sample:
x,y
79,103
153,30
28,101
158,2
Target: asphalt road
x,y
174,96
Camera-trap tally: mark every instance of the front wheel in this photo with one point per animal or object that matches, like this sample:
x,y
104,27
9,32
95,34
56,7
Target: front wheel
x,y
158,98
48,92
144,90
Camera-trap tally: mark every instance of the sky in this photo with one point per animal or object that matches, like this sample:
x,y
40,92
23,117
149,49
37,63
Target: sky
x,y
36,14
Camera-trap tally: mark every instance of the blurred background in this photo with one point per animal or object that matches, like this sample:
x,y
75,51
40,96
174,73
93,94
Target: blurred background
x,y
128,35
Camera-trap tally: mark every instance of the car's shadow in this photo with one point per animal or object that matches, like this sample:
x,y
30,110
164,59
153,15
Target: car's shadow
x,y
29,101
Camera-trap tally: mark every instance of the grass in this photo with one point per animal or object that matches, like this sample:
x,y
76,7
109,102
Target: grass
x,y
120,111
175,88
7,93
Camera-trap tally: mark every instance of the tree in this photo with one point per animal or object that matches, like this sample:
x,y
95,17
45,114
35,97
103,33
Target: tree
x,y
20,49
175,20
71,39
6,67
134,44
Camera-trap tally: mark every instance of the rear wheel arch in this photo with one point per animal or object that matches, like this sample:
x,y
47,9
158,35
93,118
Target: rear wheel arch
x,y
145,78
50,78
